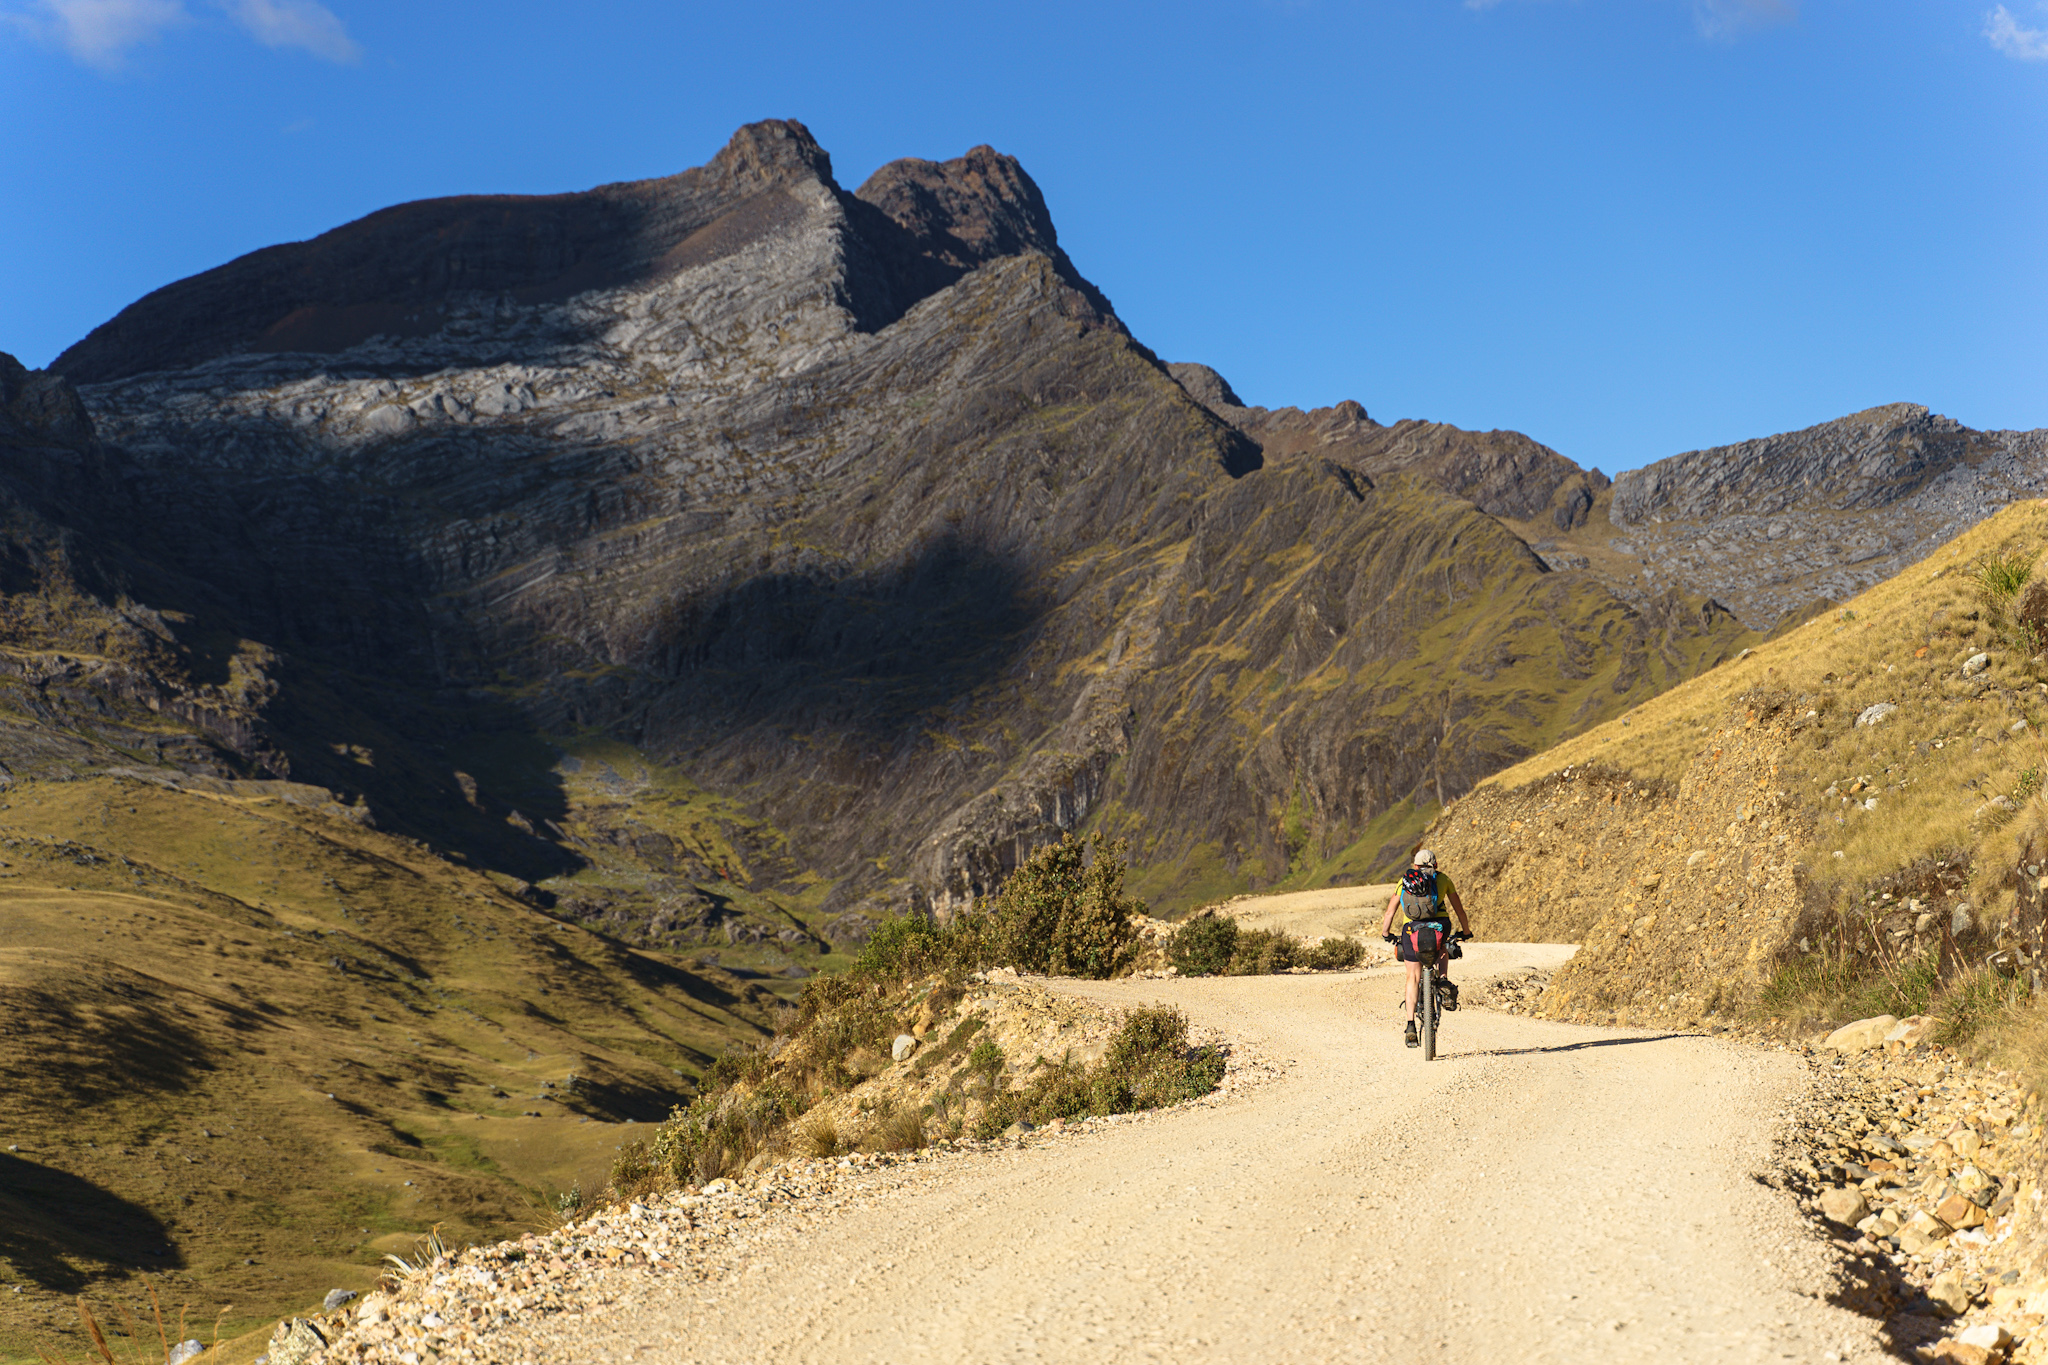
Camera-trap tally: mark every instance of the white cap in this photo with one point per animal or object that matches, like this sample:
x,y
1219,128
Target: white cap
x,y
1425,857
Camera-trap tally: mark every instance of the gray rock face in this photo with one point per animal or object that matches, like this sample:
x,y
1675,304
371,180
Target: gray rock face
x,y
1773,525
860,508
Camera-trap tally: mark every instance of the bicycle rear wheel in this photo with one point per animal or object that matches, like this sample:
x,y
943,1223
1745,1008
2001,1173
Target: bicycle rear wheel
x,y
1425,1006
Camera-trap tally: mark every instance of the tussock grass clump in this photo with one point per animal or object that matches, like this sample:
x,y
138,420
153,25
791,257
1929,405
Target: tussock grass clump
x,y
1149,1064
1213,945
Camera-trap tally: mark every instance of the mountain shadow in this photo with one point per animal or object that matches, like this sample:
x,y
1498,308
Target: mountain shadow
x,y
868,651
52,1221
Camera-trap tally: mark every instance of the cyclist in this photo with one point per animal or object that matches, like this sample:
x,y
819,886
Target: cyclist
x,y
1419,899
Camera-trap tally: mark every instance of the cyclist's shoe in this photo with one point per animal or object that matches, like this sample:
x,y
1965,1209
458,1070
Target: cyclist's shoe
x,y
1409,1033
1447,994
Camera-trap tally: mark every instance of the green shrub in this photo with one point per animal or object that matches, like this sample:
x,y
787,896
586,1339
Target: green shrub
x,y
899,947
1334,954
1066,914
986,1059
717,1134
1148,1064
1203,945
1260,952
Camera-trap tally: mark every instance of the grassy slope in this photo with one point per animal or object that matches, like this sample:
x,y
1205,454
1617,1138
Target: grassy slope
x,y
1903,642
169,970
1520,657
1780,726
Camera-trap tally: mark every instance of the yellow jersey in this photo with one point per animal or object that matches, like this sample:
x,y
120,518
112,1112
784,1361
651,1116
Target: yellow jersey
x,y
1445,889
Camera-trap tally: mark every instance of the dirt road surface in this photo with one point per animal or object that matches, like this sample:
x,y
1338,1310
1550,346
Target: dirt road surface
x,y
1352,910
1541,1192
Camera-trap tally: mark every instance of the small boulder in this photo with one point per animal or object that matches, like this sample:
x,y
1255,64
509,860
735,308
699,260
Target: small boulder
x,y
336,1298
903,1046
184,1351
294,1342
1976,664
1959,918
1990,1336
1861,1035
1959,1212
1844,1206
1914,1029
1878,714
1950,1295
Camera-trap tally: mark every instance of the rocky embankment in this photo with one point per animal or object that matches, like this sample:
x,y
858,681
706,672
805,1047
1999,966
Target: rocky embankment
x,y
1926,1174
1681,897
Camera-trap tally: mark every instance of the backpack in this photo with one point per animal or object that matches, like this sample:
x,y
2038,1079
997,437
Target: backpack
x,y
1419,898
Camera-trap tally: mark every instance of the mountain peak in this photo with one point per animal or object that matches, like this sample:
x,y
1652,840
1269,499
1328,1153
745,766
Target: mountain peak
x,y
760,155
967,210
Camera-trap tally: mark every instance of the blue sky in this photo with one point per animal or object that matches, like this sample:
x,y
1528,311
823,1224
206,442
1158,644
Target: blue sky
x,y
1626,227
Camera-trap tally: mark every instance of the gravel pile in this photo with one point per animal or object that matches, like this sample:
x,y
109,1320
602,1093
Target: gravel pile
x,y
1515,993
1922,1171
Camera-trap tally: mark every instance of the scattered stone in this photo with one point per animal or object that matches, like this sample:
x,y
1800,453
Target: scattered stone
x,y
1844,1206
1878,714
294,1342
1864,1033
184,1351
903,1046
1950,1295
1989,1336
336,1298
1976,664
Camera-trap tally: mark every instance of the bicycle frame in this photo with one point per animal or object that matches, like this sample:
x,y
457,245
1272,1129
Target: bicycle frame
x,y
1426,1005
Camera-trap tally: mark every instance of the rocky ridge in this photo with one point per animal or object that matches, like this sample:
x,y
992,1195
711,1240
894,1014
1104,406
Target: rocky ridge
x,y
1773,528
859,512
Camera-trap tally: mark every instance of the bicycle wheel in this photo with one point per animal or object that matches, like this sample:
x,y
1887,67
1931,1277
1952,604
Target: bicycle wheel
x,y
1425,1006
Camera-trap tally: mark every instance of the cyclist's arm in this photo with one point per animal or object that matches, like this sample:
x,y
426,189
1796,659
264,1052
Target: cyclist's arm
x,y
1387,920
1458,904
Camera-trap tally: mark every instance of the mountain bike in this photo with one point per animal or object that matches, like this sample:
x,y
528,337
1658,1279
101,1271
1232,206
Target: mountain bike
x,y
1428,991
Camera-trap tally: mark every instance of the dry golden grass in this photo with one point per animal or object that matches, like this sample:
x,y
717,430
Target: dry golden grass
x,y
1952,747
194,1084
1945,752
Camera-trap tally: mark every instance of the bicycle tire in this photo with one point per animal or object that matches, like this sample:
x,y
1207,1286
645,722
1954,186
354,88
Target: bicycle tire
x,y
1427,1009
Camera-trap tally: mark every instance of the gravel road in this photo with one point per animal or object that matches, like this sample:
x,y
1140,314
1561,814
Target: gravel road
x,y
1541,1192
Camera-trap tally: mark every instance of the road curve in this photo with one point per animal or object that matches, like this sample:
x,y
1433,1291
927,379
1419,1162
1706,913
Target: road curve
x,y
1541,1192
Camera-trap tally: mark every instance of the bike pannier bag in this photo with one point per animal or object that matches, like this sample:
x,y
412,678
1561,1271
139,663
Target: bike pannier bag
x,y
1424,939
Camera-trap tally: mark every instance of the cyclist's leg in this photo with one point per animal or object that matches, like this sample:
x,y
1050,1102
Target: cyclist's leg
x,y
1414,985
